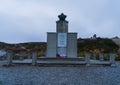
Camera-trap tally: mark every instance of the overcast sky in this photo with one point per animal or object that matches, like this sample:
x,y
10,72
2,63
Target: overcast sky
x,y
30,20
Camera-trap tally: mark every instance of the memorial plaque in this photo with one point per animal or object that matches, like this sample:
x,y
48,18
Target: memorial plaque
x,y
62,39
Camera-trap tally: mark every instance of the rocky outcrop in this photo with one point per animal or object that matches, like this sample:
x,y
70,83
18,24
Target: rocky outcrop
x,y
117,42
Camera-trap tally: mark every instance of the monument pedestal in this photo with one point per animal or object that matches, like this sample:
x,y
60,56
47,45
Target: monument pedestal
x,y
69,51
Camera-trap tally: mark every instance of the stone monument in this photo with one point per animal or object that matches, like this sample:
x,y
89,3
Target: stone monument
x,y
61,44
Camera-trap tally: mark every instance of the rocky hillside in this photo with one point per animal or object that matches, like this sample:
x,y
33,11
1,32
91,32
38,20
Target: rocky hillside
x,y
117,42
24,46
83,45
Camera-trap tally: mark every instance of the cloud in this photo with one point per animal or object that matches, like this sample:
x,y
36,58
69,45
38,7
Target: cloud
x,y
29,20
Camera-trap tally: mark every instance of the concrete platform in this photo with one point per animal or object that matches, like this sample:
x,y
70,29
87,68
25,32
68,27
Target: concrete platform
x,y
58,61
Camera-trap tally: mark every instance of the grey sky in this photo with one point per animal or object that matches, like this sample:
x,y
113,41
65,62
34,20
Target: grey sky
x,y
30,20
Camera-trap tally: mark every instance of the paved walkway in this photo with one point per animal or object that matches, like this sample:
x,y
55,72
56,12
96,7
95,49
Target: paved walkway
x,y
80,75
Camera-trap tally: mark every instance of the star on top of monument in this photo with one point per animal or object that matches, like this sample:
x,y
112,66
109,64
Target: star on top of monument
x,y
62,17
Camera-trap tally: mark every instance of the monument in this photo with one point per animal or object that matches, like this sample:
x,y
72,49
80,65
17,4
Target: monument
x,y
61,44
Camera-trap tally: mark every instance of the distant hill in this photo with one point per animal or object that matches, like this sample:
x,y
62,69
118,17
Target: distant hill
x,y
26,46
99,43
83,44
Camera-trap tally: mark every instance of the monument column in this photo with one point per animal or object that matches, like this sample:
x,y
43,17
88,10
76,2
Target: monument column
x,y
62,30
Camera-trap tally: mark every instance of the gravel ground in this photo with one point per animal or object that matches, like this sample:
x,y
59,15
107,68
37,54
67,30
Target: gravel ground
x,y
53,75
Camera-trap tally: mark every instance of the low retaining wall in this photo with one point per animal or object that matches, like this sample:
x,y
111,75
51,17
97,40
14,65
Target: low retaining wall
x,y
87,60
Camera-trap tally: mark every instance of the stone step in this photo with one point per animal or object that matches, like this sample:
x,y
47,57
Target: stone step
x,y
61,59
